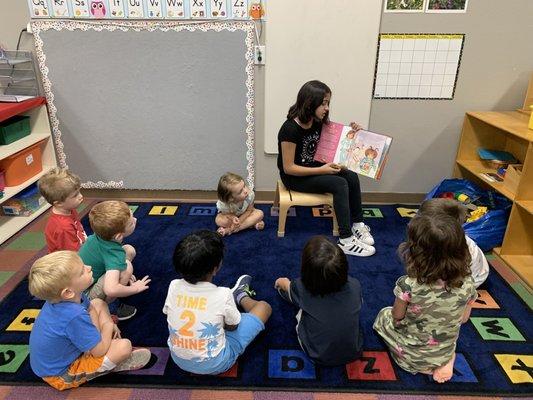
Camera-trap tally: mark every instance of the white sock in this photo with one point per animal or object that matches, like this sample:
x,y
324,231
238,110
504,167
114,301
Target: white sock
x,y
107,365
358,224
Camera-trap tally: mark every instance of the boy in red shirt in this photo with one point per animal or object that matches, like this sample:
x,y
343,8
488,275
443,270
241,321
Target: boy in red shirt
x,y
61,189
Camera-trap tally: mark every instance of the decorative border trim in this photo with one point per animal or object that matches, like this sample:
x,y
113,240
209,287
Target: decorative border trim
x,y
39,26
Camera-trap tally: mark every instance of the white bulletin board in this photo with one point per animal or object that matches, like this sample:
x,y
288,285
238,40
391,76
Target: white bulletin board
x,y
308,40
417,66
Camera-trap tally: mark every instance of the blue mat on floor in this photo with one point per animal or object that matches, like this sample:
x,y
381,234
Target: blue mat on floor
x,y
494,349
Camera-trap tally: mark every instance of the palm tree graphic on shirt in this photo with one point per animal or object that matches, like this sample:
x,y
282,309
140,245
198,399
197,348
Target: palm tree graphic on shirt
x,y
209,332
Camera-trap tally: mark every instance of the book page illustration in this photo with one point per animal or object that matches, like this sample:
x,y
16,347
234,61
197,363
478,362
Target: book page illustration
x,y
362,151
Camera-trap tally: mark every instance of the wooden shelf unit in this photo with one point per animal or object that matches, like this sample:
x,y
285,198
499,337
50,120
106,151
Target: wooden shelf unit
x,y
40,131
508,131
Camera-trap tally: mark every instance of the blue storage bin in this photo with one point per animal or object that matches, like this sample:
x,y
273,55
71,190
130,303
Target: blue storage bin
x,y
487,231
25,203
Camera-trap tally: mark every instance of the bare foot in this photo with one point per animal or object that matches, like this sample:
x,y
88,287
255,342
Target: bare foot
x,y
260,225
444,373
223,231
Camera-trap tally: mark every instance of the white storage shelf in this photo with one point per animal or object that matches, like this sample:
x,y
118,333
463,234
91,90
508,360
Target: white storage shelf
x,y
40,131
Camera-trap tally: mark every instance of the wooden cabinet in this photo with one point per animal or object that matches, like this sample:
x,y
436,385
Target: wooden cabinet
x,y
504,131
40,131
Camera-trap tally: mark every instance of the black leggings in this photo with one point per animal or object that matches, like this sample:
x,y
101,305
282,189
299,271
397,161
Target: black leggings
x,y
346,192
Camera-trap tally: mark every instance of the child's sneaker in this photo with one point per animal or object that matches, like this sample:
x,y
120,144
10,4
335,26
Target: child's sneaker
x,y
137,359
362,232
354,247
242,288
125,311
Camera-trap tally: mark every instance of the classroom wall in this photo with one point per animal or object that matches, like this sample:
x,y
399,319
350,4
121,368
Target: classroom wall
x,y
495,68
496,65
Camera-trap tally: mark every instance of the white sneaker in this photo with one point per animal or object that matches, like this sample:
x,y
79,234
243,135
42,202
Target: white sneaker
x,y
354,247
137,359
362,232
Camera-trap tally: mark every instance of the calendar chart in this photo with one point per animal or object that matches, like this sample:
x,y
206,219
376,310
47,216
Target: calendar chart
x,y
417,66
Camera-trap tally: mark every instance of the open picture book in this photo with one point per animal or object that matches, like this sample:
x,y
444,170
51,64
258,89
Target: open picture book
x,y
363,152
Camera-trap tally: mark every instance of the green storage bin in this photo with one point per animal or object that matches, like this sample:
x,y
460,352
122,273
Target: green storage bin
x,y
14,128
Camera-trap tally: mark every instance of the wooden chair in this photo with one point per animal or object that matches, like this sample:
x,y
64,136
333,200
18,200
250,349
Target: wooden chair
x,y
286,198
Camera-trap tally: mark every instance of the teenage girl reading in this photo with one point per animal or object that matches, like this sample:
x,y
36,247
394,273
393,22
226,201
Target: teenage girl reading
x,y
297,143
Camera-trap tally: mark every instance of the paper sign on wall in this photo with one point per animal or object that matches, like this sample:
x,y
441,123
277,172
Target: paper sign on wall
x,y
175,9
80,9
218,9
149,9
417,66
98,9
198,8
39,8
239,9
256,9
154,9
116,9
60,9
135,9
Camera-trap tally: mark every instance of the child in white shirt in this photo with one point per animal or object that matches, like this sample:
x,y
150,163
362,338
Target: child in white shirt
x,y
207,333
235,206
433,207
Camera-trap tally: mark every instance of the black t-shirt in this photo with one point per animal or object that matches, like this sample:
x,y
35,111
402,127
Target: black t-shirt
x,y
306,143
329,326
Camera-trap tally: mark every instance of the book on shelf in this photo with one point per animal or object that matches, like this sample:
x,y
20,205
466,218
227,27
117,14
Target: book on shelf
x,y
363,152
496,156
7,98
491,176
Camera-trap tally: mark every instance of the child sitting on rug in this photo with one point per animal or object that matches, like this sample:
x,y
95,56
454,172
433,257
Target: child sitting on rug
x,y
441,206
74,340
207,333
432,300
111,222
61,189
328,337
235,206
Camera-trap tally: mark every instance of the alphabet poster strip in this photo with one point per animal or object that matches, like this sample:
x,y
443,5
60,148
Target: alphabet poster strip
x,y
198,9
60,9
149,9
175,9
80,9
39,8
135,9
98,9
154,9
116,9
218,9
239,9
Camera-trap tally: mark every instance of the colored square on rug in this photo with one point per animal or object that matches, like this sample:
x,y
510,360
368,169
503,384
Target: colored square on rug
x,y
274,360
28,241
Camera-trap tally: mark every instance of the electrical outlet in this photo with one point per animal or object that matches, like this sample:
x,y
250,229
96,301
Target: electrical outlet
x,y
259,55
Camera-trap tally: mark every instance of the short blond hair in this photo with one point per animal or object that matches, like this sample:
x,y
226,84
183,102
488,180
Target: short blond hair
x,y
58,184
223,189
53,273
109,218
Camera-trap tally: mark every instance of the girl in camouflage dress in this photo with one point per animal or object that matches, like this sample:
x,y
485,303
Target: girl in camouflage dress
x,y
432,300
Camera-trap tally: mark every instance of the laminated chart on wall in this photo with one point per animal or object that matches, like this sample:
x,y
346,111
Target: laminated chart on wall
x,y
417,66
149,9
